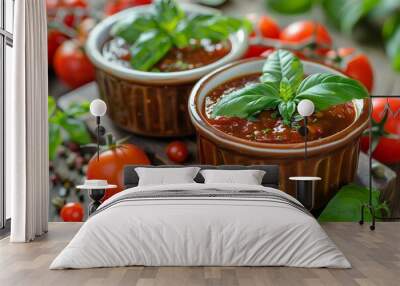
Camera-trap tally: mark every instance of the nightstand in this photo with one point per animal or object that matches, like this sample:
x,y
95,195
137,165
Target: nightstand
x,y
97,190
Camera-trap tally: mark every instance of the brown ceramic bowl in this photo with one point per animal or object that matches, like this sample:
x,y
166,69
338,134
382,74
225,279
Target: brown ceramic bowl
x,y
151,103
332,158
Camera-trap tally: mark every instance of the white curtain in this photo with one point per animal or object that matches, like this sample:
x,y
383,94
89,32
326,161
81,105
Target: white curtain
x,y
26,124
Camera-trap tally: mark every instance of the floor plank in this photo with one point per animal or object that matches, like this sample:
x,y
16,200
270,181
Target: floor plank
x,y
375,257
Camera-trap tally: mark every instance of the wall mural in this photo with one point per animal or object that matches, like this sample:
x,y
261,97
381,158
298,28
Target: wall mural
x,y
144,62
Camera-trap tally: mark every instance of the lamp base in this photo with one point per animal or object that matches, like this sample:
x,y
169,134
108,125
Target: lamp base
x,y
96,195
372,211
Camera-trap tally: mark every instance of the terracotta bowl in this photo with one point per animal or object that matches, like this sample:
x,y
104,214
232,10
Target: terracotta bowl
x,y
332,158
151,103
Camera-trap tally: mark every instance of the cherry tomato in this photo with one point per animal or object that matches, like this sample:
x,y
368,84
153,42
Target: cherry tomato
x,y
355,65
254,51
54,39
111,163
301,31
268,27
72,65
265,27
72,212
115,6
177,151
52,6
388,149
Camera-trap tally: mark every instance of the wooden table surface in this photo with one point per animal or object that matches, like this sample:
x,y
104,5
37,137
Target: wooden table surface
x,y
375,258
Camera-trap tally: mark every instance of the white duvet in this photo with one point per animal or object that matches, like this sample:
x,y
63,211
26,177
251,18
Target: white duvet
x,y
200,231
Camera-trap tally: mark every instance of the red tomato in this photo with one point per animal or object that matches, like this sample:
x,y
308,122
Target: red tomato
x,y
301,31
355,65
72,65
388,150
268,27
254,51
54,39
53,6
72,212
111,163
177,151
115,6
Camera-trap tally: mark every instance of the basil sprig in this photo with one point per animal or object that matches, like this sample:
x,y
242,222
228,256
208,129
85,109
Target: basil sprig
x,y
282,87
151,36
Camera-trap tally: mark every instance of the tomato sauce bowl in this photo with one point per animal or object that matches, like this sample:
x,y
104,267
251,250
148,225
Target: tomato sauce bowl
x,y
334,158
151,103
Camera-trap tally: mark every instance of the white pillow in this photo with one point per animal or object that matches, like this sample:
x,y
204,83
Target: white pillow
x,y
164,176
248,177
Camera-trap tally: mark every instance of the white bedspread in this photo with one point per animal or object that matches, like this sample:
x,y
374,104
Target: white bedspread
x,y
200,231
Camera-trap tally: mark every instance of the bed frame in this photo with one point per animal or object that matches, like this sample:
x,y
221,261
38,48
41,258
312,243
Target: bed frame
x,y
271,177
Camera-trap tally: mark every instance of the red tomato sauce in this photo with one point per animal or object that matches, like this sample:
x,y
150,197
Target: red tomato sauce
x,y
197,54
268,126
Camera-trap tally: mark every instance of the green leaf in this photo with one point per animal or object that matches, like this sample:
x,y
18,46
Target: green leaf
x,y
393,49
346,204
51,106
77,109
55,140
76,130
345,14
290,6
213,27
326,90
168,14
287,109
285,90
130,29
248,101
283,64
149,49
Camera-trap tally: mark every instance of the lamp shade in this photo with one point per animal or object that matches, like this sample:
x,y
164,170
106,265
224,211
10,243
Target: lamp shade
x,y
98,107
305,107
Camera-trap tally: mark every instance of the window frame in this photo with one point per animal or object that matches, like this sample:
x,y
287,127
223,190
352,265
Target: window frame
x,y
6,39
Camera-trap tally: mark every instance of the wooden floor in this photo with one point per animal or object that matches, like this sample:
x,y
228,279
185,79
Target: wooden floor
x,y
375,257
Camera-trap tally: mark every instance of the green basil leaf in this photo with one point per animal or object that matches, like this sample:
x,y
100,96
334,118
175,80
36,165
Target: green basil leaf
x,y
149,49
393,48
55,139
326,90
280,64
346,204
345,14
168,14
247,101
76,130
286,110
285,90
131,28
51,106
76,109
290,6
214,27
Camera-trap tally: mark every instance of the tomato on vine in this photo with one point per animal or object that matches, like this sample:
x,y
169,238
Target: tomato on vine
x,y
355,65
385,131
112,160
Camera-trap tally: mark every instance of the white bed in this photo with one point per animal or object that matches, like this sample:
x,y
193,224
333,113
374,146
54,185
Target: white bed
x,y
267,229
